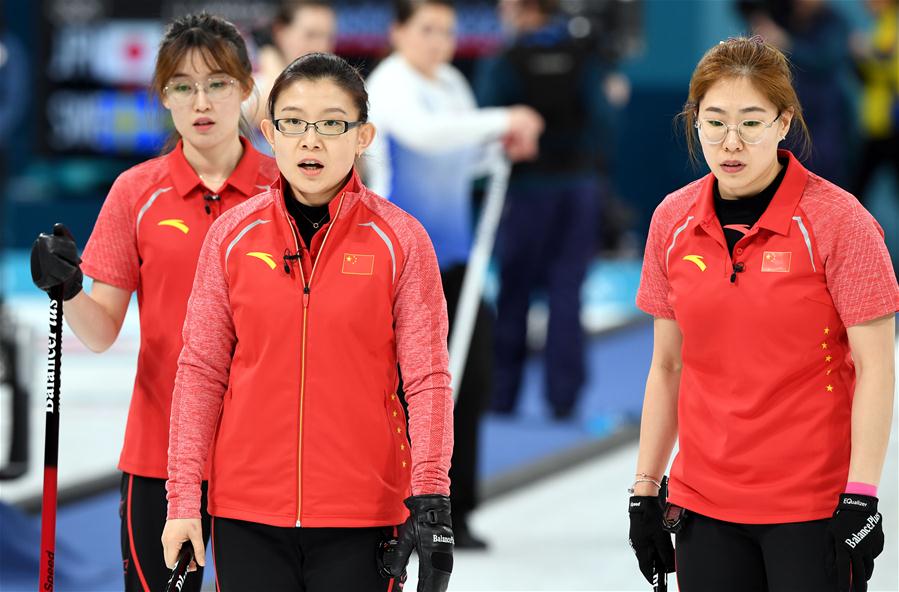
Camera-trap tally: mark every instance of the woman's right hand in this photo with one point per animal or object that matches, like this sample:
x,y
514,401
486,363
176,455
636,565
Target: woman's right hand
x,y
55,262
179,531
525,127
525,120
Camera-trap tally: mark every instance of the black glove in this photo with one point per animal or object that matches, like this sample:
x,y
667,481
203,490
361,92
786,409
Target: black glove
x,y
54,262
428,530
856,538
650,542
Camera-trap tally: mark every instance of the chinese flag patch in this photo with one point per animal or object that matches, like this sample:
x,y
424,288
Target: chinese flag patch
x,y
776,261
354,264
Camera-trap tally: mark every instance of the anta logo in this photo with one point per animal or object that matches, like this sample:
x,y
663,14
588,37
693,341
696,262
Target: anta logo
x,y
175,223
697,259
741,228
263,257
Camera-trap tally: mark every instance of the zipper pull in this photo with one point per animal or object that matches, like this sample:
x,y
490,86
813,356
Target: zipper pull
x,y
305,296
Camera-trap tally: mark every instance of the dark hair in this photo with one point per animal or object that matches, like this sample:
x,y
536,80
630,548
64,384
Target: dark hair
x,y
547,7
403,10
762,64
320,66
221,47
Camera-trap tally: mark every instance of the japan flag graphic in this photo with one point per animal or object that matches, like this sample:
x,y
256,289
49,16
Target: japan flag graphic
x,y
776,261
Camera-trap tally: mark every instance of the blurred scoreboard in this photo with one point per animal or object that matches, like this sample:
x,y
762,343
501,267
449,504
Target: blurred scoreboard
x,y
99,56
98,59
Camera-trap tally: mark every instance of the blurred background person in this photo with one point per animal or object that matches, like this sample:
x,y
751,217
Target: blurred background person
x,y
299,27
430,146
877,65
549,226
816,37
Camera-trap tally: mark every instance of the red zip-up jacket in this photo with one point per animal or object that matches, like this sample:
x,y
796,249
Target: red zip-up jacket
x,y
289,368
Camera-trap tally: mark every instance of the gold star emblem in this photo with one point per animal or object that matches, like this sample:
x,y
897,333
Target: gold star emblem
x,y
827,330
828,358
392,397
399,431
769,257
402,446
828,372
394,412
404,464
824,346
349,258
829,388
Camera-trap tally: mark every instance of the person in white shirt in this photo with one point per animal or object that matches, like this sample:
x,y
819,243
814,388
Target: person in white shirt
x,y
429,148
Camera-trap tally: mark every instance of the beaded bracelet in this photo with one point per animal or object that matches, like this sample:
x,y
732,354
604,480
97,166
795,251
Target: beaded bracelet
x,y
643,478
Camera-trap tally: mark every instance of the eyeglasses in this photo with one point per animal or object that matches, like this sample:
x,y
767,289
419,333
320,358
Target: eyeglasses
x,y
292,126
750,131
182,90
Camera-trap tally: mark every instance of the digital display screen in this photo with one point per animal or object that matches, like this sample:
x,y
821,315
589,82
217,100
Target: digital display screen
x,y
100,58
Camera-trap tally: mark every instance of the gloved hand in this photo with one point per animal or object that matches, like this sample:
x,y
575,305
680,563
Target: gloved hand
x,y
650,542
55,262
428,530
856,538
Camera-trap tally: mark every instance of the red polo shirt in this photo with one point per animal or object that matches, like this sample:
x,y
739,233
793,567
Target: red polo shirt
x,y
764,404
148,238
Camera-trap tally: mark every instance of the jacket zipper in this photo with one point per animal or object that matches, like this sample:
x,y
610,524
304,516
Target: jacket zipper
x,y
306,292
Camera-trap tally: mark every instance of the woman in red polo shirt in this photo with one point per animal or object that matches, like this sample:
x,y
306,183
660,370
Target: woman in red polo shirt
x,y
147,239
306,300
774,301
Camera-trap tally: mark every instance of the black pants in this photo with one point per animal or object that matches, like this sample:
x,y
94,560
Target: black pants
x,y
474,395
713,556
251,556
143,510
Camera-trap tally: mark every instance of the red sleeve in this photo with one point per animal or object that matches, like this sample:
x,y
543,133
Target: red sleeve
x,y
857,266
652,296
421,331
202,378
111,254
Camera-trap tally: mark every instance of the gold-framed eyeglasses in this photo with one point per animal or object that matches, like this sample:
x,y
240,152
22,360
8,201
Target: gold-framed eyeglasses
x,y
291,126
183,90
750,131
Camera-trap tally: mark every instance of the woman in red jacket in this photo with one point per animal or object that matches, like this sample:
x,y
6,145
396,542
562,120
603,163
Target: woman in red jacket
x,y
305,301
147,239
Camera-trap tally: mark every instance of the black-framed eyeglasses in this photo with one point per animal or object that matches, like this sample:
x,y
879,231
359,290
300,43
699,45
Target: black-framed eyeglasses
x,y
291,126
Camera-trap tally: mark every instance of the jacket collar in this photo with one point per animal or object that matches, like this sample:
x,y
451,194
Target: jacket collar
x,y
243,178
778,216
346,198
